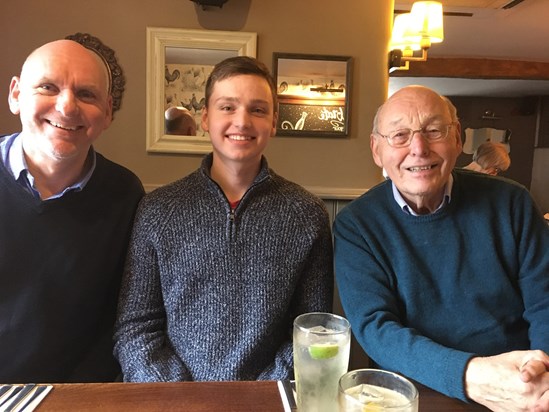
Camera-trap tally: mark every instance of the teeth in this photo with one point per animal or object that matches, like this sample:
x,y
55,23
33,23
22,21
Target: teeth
x,y
418,169
63,127
239,137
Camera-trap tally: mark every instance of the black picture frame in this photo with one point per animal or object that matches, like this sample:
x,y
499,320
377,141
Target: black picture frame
x,y
314,94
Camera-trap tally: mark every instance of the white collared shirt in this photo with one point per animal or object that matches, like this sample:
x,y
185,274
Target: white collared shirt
x,y
406,208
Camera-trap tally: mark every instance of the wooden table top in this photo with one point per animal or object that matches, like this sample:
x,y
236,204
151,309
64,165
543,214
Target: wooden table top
x,y
257,396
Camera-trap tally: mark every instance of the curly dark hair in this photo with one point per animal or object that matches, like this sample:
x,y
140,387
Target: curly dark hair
x,y
117,81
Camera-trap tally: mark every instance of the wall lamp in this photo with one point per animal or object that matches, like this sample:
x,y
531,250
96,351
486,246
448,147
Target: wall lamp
x,y
206,3
414,32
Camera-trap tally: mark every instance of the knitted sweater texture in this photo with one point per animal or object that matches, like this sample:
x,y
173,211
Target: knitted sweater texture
x,y
425,294
211,294
61,264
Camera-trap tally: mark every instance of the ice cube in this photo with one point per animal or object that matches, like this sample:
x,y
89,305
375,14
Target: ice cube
x,y
318,329
369,394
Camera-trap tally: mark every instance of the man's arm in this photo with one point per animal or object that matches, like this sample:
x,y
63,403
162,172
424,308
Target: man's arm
x,y
520,379
372,306
141,346
314,293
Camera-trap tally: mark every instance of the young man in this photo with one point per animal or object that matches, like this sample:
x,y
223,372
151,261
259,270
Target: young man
x,y
223,260
66,215
442,272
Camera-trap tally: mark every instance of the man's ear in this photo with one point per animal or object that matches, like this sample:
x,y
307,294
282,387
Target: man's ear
x,y
458,136
374,147
275,121
13,96
108,112
204,119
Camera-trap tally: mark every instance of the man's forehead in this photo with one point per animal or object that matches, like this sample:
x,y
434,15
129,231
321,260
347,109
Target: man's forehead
x,y
406,105
60,57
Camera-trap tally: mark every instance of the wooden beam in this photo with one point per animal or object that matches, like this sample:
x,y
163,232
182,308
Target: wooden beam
x,y
476,69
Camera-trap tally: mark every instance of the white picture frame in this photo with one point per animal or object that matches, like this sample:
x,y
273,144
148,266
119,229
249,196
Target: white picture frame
x,y
178,62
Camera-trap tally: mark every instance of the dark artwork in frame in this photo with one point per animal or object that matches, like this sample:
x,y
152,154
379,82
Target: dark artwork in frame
x,y
313,94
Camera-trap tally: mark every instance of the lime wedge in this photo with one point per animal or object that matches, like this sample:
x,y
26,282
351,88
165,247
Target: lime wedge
x,y
323,350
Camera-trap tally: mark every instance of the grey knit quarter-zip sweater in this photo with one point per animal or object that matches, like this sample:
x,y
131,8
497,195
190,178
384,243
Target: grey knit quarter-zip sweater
x,y
210,293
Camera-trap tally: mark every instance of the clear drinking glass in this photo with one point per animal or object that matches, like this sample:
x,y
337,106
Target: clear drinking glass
x,y
376,390
321,357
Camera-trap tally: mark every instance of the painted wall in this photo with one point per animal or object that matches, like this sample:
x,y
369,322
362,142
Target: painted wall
x,y
358,28
354,28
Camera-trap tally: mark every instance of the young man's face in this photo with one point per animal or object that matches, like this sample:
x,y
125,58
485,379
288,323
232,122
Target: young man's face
x,y
62,99
240,118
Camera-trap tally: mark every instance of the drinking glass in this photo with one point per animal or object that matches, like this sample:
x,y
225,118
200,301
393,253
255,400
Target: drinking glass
x,y
376,390
321,357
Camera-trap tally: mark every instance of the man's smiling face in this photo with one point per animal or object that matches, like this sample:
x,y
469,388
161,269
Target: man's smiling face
x,y
420,170
63,100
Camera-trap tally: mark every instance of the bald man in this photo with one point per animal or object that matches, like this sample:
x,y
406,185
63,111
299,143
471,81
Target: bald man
x,y
66,215
180,121
442,272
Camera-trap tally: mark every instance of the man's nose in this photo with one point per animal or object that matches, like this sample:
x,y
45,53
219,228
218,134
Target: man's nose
x,y
242,118
419,144
66,103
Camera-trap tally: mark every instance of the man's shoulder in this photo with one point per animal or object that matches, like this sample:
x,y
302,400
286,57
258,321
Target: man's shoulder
x,y
115,175
180,190
296,193
485,184
373,197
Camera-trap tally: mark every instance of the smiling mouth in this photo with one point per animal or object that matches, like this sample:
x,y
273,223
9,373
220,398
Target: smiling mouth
x,y
420,168
60,126
239,137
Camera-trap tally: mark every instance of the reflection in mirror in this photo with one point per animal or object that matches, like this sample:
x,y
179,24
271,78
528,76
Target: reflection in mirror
x,y
179,121
185,77
313,94
178,64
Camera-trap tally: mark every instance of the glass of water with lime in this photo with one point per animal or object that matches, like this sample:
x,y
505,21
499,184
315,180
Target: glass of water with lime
x,y
321,357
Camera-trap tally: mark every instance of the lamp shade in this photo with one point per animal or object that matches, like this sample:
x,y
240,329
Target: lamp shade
x,y
403,37
427,20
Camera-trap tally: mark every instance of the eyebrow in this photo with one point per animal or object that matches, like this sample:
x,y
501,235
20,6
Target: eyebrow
x,y
235,99
429,120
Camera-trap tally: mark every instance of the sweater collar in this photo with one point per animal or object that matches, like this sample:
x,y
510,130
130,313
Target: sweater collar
x,y
408,210
264,171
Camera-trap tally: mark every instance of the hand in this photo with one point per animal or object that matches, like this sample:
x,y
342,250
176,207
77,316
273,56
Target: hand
x,y
532,368
513,381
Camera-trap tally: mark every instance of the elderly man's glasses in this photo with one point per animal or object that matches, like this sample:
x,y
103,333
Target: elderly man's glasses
x,y
403,137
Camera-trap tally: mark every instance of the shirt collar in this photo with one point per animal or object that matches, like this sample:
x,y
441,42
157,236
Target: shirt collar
x,y
407,209
14,160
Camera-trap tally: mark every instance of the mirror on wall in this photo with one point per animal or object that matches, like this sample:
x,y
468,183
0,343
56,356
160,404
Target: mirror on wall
x,y
178,64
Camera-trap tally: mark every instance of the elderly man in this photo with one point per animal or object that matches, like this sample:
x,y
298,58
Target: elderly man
x,y
66,215
444,273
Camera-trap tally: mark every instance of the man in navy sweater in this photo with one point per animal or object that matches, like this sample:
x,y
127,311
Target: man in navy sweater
x,y
443,272
66,214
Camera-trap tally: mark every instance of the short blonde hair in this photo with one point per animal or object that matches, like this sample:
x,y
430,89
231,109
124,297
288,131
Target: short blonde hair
x,y
492,155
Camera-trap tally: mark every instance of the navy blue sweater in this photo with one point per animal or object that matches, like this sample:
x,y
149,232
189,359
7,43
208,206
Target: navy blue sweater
x,y
61,263
425,294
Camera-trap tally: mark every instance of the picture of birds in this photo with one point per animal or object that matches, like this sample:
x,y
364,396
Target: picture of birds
x,y
184,86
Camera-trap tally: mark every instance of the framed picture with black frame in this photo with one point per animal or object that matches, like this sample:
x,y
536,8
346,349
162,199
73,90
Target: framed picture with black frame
x,y
313,94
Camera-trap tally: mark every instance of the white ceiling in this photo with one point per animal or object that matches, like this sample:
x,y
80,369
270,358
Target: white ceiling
x,y
518,33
